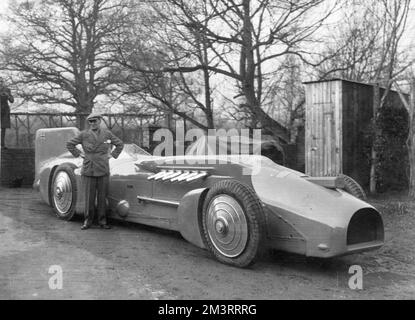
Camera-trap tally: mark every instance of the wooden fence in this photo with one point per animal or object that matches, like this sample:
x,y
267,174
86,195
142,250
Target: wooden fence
x,y
131,128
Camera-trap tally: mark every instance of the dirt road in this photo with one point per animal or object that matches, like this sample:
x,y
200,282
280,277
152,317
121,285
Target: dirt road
x,y
137,262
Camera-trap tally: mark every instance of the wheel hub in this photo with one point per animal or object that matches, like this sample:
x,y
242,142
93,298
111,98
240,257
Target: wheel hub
x,y
221,226
59,193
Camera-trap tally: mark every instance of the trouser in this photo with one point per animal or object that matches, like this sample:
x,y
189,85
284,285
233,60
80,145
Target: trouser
x,y
95,188
3,136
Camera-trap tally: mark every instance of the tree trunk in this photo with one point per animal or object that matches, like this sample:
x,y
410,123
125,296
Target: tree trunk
x,y
83,110
411,142
208,101
376,103
208,98
247,73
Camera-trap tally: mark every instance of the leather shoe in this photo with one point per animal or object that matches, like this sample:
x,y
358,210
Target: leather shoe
x,y
105,226
84,227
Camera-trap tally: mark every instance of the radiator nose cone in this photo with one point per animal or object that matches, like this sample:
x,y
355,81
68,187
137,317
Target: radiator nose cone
x,y
366,225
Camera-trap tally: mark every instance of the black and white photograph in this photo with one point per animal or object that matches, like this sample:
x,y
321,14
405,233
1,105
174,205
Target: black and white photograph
x,y
224,152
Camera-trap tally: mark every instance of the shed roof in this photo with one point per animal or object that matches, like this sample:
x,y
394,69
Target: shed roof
x,y
344,80
351,81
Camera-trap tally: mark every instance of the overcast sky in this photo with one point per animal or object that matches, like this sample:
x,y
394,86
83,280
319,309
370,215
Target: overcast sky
x,y
3,10
408,40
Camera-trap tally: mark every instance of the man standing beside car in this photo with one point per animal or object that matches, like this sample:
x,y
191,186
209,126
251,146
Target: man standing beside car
x,y
96,143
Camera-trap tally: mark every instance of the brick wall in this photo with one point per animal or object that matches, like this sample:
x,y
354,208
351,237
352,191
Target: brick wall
x,y
17,167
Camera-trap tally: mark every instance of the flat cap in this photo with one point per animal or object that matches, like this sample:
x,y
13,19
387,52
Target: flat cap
x,y
94,116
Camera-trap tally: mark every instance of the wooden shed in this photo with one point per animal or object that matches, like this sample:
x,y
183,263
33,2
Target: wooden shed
x,y
338,134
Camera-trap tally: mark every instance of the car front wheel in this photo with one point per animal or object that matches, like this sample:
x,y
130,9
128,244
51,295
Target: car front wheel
x,y
63,192
233,223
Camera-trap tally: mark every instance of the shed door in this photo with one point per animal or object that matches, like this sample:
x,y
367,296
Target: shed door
x,y
323,150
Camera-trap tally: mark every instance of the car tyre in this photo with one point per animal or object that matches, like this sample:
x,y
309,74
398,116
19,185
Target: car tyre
x,y
63,192
233,223
351,186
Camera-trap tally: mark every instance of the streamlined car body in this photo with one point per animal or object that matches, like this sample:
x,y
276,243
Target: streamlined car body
x,y
233,205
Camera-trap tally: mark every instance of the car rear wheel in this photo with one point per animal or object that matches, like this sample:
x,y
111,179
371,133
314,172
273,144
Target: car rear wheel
x,y
351,186
233,223
63,192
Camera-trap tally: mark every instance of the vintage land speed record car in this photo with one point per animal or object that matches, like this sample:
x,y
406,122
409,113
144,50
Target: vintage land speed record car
x,y
234,206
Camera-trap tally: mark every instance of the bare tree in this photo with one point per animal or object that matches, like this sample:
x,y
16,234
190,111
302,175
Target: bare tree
x,y
394,16
369,50
244,41
57,51
366,44
410,106
284,97
168,41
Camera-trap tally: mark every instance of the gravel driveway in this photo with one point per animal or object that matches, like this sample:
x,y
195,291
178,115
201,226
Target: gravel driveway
x,y
137,262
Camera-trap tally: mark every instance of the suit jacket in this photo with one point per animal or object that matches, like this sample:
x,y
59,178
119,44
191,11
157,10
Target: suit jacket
x,y
97,149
